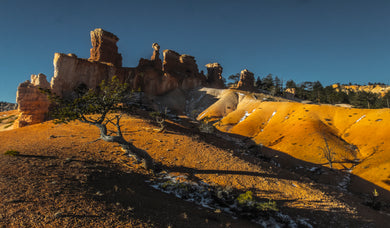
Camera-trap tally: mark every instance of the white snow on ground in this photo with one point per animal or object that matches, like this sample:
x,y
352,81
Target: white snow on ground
x,y
360,118
344,183
202,194
200,117
271,117
246,115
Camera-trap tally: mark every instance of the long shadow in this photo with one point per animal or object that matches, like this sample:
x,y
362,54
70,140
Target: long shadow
x,y
37,156
163,209
264,156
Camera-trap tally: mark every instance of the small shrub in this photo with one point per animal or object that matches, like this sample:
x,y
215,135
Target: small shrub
x,y
245,198
267,206
12,153
160,117
374,203
206,126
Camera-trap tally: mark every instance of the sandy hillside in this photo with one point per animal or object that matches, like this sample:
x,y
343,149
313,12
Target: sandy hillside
x,y
59,179
7,120
300,130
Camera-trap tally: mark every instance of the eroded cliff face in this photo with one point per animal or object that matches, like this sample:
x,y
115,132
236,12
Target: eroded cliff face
x,y
32,104
152,76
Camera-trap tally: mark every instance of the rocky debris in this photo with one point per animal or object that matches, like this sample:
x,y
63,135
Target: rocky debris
x,y
32,104
247,81
214,76
5,106
104,47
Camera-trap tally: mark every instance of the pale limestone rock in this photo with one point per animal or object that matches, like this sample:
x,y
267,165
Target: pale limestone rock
x,y
33,106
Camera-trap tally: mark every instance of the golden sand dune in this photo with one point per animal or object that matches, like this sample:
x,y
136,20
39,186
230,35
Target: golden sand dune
x,y
302,130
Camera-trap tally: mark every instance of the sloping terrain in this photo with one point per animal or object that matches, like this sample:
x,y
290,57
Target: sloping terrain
x,y
359,138
7,119
60,179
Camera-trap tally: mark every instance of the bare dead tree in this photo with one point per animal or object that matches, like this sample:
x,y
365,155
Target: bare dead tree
x,y
100,107
160,117
327,152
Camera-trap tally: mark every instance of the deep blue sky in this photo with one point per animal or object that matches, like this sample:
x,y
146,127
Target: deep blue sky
x,y
304,40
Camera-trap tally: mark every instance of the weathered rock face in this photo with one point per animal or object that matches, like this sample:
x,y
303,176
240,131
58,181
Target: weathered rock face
x,y
182,70
104,47
247,81
150,76
32,104
70,72
214,76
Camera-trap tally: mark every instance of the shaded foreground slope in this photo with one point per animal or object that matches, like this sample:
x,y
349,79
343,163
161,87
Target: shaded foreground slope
x,y
359,137
61,180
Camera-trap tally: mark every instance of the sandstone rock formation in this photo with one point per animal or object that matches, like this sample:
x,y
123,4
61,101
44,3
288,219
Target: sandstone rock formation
x,y
182,70
214,75
156,56
70,72
247,81
32,104
104,47
150,76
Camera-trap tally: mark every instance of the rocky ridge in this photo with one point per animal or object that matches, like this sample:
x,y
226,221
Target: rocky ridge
x,y
5,106
152,76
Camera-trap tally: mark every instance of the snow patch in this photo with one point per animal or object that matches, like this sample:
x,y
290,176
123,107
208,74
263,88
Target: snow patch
x,y
271,117
360,118
200,117
246,115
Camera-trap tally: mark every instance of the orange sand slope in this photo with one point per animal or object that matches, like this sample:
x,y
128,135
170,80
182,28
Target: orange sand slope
x,y
300,130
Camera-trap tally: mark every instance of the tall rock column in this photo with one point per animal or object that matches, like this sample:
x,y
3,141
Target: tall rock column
x,y
32,104
214,75
156,56
104,47
247,81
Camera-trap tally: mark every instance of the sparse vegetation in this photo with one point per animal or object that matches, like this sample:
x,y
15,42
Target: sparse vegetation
x,y
12,153
374,200
8,121
246,199
160,117
102,108
206,125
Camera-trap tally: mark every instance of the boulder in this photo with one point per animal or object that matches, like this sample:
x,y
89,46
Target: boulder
x,y
33,106
247,81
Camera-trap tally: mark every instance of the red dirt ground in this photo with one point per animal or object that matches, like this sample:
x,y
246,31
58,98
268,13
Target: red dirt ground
x,y
61,180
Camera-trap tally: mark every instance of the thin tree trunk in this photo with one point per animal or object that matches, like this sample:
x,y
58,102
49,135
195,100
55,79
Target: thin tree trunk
x,y
127,146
